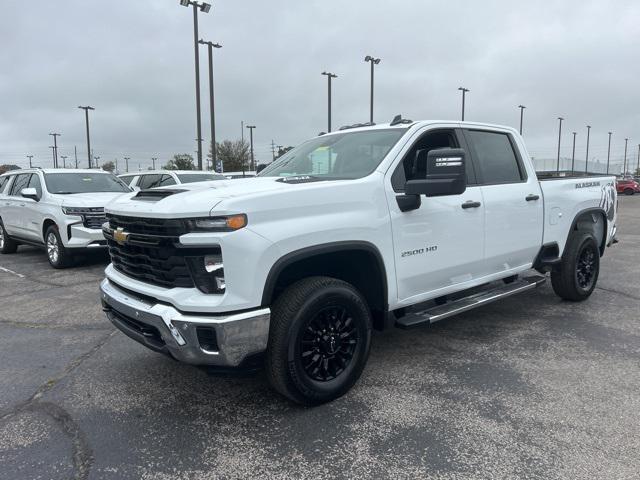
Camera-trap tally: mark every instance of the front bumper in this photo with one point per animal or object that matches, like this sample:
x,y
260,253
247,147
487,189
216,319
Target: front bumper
x,y
188,338
83,237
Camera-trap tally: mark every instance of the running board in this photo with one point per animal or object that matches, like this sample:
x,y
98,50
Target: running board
x,y
439,312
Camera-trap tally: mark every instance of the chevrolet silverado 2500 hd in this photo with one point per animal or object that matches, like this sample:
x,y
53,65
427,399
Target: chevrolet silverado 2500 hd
x,y
400,224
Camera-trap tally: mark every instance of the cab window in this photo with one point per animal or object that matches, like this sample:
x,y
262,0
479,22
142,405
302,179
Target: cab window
x,y
34,182
166,180
411,169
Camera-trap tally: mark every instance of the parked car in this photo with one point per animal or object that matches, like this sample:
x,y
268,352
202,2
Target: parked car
x,y
400,224
163,178
60,210
628,186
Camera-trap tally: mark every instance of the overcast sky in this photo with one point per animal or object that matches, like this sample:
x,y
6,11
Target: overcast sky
x,y
133,61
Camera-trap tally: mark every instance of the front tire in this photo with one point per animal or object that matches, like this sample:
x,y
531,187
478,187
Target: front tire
x,y
628,191
58,255
319,340
576,276
7,244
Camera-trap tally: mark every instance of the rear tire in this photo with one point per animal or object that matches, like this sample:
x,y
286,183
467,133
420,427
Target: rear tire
x,y
58,255
576,276
628,191
7,244
319,340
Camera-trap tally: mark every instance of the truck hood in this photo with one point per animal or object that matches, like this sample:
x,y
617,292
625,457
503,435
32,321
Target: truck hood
x,y
92,199
198,199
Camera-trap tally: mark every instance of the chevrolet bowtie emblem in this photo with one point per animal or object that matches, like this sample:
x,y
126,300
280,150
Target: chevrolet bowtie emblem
x,y
120,236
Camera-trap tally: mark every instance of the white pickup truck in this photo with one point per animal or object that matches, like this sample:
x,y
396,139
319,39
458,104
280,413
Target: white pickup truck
x,y
400,224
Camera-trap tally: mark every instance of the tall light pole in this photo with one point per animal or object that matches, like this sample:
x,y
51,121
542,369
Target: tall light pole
x,y
55,149
126,163
573,153
373,61
329,77
559,136
609,152
624,165
253,160
203,7
86,120
521,107
586,161
153,161
210,47
464,92
30,157
64,162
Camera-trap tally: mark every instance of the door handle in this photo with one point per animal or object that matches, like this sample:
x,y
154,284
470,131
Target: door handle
x,y
530,198
22,204
470,204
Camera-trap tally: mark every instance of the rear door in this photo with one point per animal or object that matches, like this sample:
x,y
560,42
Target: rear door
x,y
512,198
438,246
14,206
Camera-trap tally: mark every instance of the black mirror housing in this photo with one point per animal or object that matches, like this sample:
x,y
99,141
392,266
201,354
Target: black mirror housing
x,y
446,173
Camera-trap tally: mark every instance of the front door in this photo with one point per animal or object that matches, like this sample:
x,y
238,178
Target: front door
x,y
440,245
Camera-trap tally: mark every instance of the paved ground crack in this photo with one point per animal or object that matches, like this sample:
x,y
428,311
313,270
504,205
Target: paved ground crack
x,y
624,294
82,453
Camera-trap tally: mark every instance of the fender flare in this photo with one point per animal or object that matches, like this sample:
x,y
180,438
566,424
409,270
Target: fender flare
x,y
297,255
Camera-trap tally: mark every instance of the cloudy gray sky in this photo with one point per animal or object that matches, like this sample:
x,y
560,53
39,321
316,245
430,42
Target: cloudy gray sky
x,y
133,61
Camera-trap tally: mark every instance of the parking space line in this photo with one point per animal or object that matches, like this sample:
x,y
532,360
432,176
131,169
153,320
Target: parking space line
x,y
2,269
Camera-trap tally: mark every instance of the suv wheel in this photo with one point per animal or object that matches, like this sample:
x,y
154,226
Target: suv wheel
x,y
319,340
7,244
58,255
576,276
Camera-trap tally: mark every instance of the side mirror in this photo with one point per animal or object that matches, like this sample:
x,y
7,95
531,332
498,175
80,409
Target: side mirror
x,y
31,193
446,173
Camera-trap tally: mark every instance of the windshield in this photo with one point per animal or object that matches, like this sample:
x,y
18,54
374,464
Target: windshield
x,y
68,183
198,177
346,155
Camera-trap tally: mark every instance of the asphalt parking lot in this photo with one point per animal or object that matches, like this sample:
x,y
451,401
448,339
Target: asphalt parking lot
x,y
531,387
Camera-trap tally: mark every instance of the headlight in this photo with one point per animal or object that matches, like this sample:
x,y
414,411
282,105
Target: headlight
x,y
82,210
217,224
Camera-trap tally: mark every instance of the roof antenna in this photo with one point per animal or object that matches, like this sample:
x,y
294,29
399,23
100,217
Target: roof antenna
x,y
397,120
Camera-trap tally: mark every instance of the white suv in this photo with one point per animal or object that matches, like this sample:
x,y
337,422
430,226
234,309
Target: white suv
x,y
164,178
61,210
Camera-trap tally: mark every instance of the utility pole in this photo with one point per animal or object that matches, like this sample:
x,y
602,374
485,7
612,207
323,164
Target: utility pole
x,y
30,157
210,47
64,163
522,107
252,167
624,165
55,149
203,7
116,161
126,164
609,152
96,160
53,152
329,77
373,61
559,136
464,91
273,149
586,162
573,153
638,164
86,121
153,160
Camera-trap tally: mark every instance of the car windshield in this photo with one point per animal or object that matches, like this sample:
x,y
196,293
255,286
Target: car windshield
x,y
198,177
70,183
345,155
